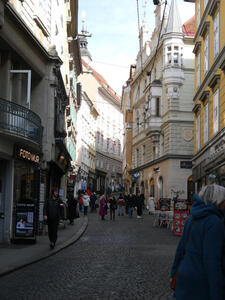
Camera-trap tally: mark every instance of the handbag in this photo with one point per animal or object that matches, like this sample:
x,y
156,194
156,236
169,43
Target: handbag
x,y
173,281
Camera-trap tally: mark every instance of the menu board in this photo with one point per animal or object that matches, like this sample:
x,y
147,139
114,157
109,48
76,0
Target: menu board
x,y
25,220
179,219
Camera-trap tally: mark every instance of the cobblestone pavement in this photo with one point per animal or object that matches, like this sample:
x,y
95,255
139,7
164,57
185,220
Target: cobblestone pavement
x,y
122,259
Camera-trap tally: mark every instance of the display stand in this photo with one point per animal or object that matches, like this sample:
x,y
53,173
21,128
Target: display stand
x,y
25,221
180,216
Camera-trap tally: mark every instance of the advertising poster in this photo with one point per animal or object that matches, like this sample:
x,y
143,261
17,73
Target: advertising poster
x,y
25,220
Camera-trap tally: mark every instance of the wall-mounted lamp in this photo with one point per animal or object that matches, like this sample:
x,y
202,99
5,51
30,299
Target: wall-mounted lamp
x,y
128,126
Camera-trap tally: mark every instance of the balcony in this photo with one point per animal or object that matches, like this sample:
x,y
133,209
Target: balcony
x,y
19,121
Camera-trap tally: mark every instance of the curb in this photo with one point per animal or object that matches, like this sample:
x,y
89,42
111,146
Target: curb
x,y
60,247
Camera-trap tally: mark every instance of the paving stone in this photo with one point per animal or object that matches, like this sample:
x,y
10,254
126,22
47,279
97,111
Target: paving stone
x,y
122,259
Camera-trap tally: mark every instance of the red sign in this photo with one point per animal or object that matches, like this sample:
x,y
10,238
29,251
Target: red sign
x,y
179,219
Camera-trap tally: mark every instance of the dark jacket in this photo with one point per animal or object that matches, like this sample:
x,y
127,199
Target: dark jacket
x,y
131,201
52,209
112,204
198,258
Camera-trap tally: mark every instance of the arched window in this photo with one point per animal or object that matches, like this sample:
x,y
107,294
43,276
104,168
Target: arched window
x,y
152,188
160,187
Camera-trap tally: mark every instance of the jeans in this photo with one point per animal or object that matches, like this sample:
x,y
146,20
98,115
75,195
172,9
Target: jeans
x,y
121,209
130,211
112,214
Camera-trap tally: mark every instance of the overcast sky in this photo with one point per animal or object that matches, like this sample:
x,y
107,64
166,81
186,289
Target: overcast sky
x,y
114,28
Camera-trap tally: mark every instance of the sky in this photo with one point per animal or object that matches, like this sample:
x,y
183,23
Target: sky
x,y
114,27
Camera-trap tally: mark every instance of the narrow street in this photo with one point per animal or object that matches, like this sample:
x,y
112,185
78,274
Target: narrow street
x,y
122,259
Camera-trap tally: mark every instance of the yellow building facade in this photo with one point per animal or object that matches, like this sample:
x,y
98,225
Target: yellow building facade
x,y
209,95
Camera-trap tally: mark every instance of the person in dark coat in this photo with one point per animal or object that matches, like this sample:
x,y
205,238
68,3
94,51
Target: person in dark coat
x,y
131,204
112,207
140,203
51,215
199,262
93,199
72,206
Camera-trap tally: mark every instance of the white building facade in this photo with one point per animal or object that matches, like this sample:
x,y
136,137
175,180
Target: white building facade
x,y
161,96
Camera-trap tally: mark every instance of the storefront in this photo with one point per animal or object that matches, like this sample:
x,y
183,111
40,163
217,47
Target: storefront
x,y
26,193
210,162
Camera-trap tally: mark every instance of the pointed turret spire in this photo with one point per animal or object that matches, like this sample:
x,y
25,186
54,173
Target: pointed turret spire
x,y
174,21
83,40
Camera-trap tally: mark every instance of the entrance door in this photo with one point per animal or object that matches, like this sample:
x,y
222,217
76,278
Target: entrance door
x,y
2,200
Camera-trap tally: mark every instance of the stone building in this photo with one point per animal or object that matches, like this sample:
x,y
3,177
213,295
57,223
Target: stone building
x,y
109,126
209,93
33,97
160,98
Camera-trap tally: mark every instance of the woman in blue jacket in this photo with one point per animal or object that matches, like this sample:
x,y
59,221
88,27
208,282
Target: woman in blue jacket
x,y
199,256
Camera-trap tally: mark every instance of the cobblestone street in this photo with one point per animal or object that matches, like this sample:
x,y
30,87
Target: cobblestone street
x,y
122,259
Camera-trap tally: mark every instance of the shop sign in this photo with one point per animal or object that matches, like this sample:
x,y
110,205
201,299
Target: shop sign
x,y
185,164
24,154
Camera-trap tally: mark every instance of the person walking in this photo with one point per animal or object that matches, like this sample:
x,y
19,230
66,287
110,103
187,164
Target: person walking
x,y
112,207
151,205
121,205
86,201
51,215
199,263
103,207
140,203
93,199
72,206
81,206
131,205
126,200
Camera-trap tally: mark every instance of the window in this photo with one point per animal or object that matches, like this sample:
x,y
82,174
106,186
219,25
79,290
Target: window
x,y
137,120
198,132
216,41
137,157
216,111
198,12
143,154
206,123
44,13
198,70
175,58
206,54
169,58
157,107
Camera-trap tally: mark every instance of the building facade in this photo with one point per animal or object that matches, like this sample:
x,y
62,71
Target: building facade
x,y
209,89
33,98
162,125
105,104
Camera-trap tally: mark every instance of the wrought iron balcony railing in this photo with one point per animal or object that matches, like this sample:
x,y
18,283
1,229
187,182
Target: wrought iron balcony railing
x,y
20,121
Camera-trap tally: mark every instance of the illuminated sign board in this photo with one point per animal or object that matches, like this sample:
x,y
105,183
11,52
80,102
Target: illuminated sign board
x,y
27,155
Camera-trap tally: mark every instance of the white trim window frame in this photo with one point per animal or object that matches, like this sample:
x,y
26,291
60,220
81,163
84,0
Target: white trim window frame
x,y
206,123
205,3
198,8
198,132
198,69
28,72
216,111
206,54
216,35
